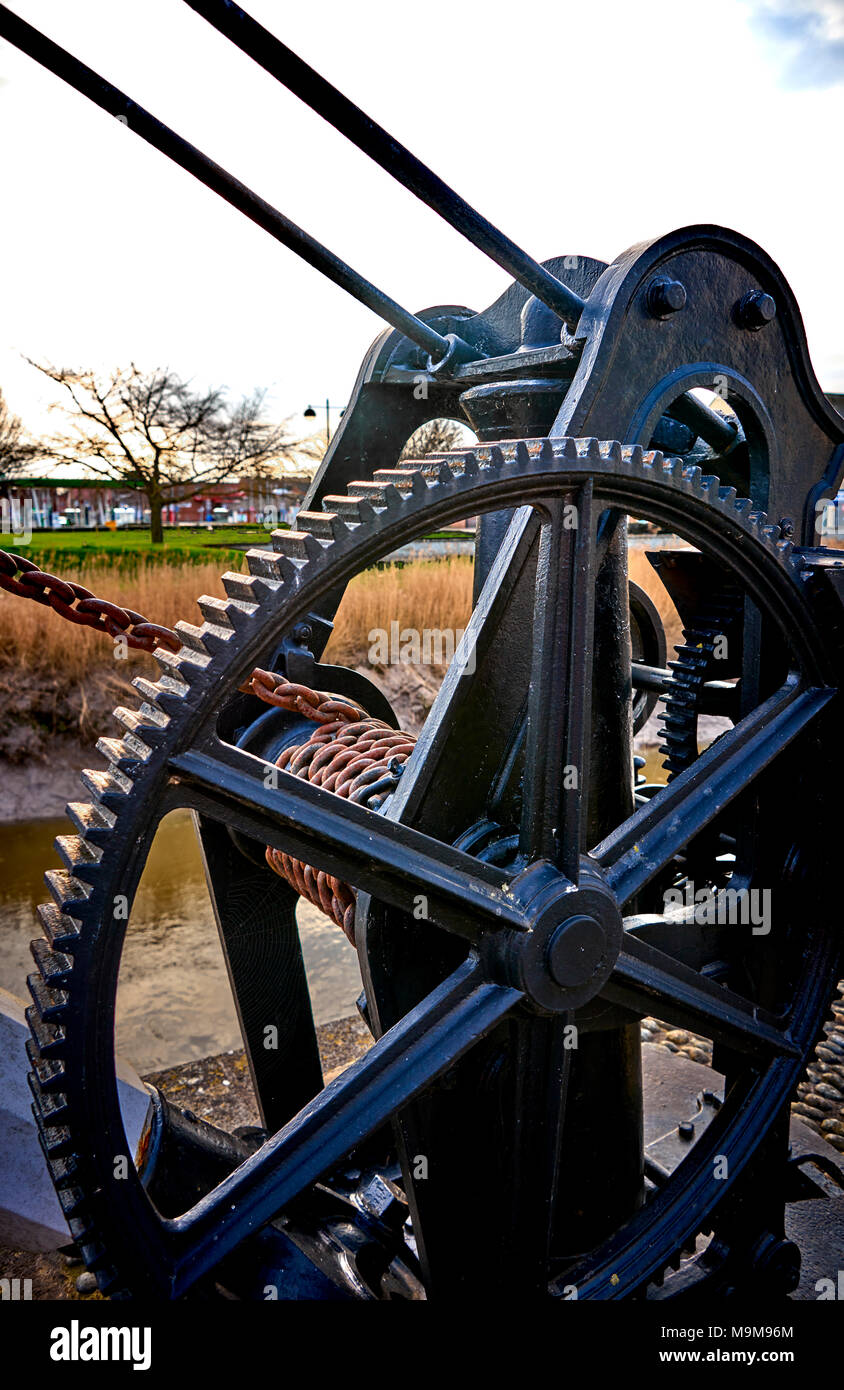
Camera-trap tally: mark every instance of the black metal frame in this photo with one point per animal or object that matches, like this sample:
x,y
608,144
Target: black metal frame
x,y
471,1058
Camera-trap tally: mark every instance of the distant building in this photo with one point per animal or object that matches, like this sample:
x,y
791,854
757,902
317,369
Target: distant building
x,y
86,503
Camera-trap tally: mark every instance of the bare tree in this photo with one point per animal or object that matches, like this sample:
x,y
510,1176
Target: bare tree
x,y
435,437
16,450
152,431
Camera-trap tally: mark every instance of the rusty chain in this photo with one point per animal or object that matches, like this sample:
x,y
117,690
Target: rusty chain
x,y
349,753
78,605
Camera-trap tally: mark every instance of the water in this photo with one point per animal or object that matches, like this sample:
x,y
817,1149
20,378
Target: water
x,y
174,1002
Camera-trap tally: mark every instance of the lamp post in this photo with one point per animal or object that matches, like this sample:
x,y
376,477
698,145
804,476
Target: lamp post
x,y
310,414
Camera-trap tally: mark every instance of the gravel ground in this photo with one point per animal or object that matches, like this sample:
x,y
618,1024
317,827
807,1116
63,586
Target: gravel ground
x,y
219,1089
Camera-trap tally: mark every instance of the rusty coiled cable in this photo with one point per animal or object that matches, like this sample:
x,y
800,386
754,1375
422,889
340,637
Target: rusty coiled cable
x,y
349,753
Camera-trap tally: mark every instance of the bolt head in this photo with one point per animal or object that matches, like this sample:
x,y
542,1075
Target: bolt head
x,y
665,297
755,310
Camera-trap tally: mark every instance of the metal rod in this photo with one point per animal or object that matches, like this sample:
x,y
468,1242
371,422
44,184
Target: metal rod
x,y
295,74
715,429
315,91
58,61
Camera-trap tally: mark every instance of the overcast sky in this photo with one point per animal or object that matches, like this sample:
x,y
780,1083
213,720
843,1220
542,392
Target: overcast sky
x,y
576,128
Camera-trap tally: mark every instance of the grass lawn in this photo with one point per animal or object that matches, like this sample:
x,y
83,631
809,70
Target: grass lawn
x,y
180,543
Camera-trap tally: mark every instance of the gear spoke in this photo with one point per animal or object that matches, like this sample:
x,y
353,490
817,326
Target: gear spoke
x,y
558,707
393,862
397,1068
478,690
647,980
649,839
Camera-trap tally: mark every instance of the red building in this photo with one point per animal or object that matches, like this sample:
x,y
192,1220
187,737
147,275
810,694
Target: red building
x,y
87,503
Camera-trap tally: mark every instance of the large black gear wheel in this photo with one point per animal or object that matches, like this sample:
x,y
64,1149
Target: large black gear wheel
x,y
763,1017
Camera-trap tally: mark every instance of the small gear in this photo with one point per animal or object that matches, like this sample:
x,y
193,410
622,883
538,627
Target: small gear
x,y
697,661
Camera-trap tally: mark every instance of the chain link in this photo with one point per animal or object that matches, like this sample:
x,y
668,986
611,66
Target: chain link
x,y
78,605
349,753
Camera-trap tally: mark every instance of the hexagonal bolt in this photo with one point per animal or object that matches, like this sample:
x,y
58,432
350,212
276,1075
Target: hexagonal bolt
x,y
664,298
754,310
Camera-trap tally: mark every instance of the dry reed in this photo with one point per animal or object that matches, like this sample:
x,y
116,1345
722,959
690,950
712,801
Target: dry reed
x,y
60,678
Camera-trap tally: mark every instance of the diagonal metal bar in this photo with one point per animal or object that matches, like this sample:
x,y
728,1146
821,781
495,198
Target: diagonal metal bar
x,y
649,839
84,80
648,980
401,1065
561,678
295,74
383,857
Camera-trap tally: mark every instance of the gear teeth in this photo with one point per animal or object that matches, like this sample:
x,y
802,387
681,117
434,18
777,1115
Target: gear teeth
x,y
384,496
55,966
243,590
172,663
59,929
356,511
272,569
147,722
369,489
398,478
49,1038
52,1104
109,788
93,821
744,506
569,448
419,487
192,638
215,612
68,892
55,1139
300,547
49,1072
126,754
165,695
50,1003
71,1201
79,856
487,456
392,499
327,525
